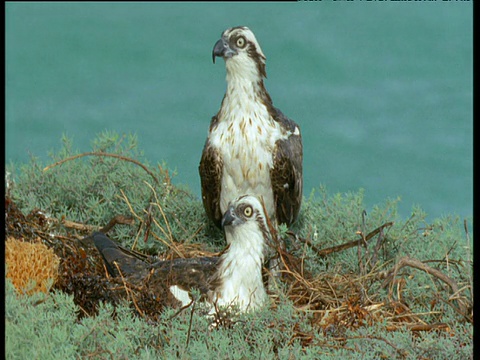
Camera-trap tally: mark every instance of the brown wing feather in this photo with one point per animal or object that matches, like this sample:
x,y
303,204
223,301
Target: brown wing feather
x,y
191,273
210,170
112,253
286,174
199,273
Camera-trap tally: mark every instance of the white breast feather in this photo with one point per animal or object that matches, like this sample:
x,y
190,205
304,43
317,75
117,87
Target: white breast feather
x,y
246,136
241,268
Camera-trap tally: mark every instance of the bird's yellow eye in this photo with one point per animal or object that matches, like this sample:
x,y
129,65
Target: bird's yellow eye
x,y
248,211
241,42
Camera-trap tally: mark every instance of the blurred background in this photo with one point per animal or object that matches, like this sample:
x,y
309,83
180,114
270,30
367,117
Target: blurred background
x,y
383,92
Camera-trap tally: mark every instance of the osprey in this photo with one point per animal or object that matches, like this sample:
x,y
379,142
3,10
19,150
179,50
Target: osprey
x,y
252,147
233,278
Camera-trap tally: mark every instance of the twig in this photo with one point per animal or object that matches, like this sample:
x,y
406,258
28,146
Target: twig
x,y
401,352
348,245
190,324
95,153
148,220
128,291
271,227
361,266
420,327
130,207
77,226
181,309
379,243
119,219
169,235
406,261
469,271
170,245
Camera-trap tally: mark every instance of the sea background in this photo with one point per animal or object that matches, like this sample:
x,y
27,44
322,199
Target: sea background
x,y
382,91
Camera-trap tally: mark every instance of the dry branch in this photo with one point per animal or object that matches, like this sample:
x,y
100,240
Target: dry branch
x,y
421,327
101,154
117,220
345,246
417,264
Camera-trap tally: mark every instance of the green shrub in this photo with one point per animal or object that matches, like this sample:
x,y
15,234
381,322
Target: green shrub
x,y
92,189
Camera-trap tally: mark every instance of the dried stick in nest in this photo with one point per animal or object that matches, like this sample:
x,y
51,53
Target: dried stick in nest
x,y
421,327
463,304
116,220
342,247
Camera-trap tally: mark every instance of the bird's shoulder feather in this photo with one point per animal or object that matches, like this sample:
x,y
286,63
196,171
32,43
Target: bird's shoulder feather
x,y
286,174
210,170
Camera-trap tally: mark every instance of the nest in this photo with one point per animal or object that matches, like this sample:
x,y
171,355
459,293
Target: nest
x,y
336,301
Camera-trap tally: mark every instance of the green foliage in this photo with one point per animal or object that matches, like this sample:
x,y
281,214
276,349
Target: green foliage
x,y
93,189
45,327
39,326
374,343
330,221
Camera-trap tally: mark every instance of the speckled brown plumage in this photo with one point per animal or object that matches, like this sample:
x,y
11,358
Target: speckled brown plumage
x,y
249,134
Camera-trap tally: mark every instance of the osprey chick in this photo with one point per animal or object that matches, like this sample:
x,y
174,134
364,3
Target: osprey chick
x,y
239,276
252,147
234,278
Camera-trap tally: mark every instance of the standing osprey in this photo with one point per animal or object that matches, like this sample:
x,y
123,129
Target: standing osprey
x,y
234,278
252,147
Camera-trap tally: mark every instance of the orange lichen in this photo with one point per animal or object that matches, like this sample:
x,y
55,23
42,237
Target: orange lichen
x,y
30,265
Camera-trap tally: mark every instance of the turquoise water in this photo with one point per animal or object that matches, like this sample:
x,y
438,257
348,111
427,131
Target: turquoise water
x,y
383,91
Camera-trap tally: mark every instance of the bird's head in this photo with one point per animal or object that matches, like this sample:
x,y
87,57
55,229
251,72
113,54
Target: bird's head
x,y
245,220
241,52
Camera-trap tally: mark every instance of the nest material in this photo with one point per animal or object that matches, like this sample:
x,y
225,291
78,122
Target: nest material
x,y
337,301
31,266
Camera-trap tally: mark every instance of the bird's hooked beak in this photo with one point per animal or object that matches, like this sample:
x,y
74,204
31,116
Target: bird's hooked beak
x,y
222,49
229,217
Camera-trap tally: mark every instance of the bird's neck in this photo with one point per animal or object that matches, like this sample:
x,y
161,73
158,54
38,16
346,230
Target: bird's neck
x,y
240,270
245,86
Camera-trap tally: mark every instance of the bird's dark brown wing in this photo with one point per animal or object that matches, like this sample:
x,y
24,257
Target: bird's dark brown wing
x,y
187,274
191,273
210,170
114,256
286,174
